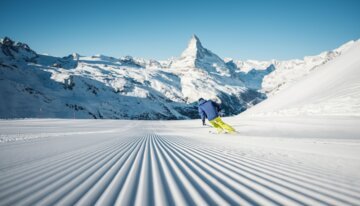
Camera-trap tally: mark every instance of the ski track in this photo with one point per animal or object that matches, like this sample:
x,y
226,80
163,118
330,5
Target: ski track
x,y
152,168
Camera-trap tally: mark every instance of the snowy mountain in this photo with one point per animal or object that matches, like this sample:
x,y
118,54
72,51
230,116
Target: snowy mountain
x,y
75,86
11,51
285,73
330,89
196,56
35,85
204,74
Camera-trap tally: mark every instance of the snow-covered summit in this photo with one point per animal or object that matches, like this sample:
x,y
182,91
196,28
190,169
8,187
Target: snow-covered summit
x,y
12,50
196,56
194,49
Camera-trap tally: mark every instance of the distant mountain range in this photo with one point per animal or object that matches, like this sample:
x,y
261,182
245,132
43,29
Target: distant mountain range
x,y
33,85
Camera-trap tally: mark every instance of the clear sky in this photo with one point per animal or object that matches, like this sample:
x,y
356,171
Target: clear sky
x,y
240,29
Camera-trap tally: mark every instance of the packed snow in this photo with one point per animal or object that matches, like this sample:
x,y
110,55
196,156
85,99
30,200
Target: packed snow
x,y
282,161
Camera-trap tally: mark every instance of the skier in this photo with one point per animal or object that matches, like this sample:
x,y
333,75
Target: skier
x,y
210,110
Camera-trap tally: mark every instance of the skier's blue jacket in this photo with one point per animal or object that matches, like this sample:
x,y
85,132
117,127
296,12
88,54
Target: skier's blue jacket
x,y
208,109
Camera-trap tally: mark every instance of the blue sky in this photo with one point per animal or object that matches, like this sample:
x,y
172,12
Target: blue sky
x,y
241,29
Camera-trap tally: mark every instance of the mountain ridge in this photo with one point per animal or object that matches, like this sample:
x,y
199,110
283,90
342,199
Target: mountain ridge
x,y
99,86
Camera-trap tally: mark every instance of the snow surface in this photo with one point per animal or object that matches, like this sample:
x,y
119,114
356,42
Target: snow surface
x,y
281,161
332,89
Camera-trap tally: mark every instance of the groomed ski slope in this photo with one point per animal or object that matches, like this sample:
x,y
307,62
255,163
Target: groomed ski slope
x,y
282,161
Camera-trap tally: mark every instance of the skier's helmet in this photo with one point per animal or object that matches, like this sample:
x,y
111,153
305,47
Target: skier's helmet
x,y
201,99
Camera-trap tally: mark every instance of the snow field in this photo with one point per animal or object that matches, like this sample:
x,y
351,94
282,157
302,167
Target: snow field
x,y
177,162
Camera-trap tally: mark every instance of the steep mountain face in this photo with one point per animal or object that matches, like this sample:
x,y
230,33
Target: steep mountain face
x,y
35,85
196,56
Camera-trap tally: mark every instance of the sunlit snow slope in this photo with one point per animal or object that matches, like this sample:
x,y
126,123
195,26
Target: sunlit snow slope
x,y
332,89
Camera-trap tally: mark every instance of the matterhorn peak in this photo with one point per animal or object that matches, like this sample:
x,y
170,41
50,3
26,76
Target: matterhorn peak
x,y
196,56
194,48
195,42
